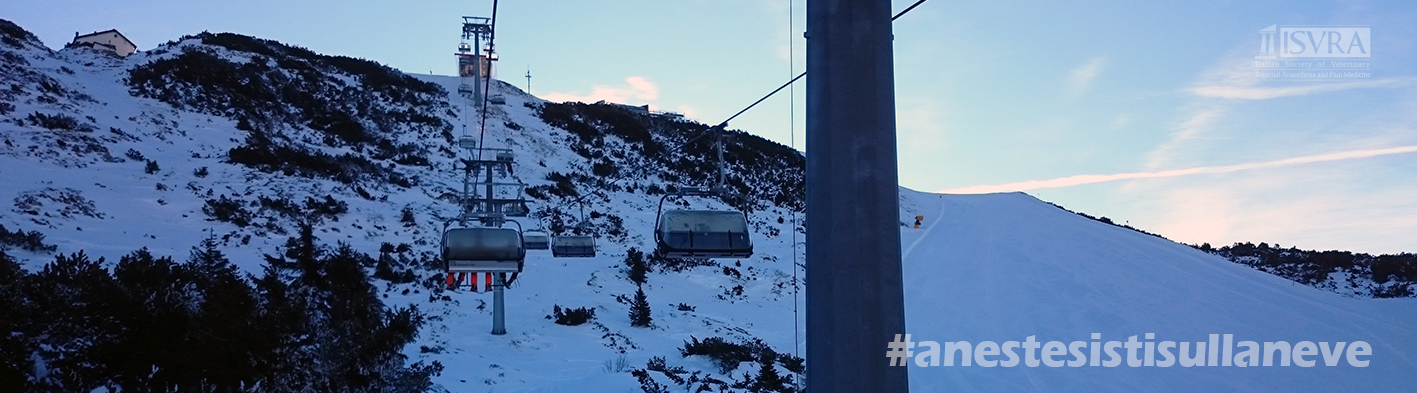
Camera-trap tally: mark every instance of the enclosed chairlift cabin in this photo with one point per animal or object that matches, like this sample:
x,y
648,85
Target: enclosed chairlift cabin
x,y
703,234
536,240
573,246
484,250
684,233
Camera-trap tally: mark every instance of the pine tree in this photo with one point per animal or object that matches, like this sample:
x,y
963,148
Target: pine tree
x,y
154,348
305,253
225,321
283,321
639,310
635,261
384,269
75,299
354,320
209,262
408,220
768,379
15,365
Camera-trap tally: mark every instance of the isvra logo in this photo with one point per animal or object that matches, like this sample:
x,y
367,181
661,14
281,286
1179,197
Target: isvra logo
x,y
1300,42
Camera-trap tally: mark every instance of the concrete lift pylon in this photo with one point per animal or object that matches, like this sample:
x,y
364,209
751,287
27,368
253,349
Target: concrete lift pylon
x,y
855,298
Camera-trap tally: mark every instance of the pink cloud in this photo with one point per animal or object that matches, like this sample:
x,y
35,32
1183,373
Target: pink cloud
x,y
636,89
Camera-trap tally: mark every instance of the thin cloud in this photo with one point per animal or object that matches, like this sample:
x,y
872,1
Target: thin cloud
x,y
921,126
1081,78
1233,71
635,89
1200,120
1265,93
1122,121
1091,179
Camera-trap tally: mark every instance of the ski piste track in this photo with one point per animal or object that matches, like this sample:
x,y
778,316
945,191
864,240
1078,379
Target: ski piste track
x,y
1001,267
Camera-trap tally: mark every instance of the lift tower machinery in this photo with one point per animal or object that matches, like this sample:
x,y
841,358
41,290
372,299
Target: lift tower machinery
x,y
473,65
481,243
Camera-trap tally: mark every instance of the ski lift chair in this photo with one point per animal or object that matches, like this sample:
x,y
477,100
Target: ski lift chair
x,y
536,240
575,246
516,208
701,233
483,250
467,142
570,246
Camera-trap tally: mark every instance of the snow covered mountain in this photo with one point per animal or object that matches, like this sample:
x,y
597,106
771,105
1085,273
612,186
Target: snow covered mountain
x,y
241,140
238,141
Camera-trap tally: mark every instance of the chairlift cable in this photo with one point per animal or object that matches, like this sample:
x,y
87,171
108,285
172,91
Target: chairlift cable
x,y
487,86
755,103
907,9
792,143
640,168
804,73
715,129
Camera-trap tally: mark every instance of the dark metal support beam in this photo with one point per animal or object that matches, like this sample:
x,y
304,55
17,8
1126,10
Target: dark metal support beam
x,y
855,302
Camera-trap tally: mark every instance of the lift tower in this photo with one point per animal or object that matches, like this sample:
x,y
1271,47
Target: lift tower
x,y
855,303
473,65
487,247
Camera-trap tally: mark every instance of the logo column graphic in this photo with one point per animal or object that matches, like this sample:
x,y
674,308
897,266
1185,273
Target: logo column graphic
x,y
1267,43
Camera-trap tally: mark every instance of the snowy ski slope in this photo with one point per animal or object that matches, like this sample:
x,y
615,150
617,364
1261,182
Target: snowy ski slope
x,y
1001,267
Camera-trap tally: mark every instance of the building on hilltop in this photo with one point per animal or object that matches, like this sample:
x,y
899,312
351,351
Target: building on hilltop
x,y
110,40
642,108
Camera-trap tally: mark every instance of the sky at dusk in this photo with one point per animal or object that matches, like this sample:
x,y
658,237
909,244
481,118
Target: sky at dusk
x,y
1151,113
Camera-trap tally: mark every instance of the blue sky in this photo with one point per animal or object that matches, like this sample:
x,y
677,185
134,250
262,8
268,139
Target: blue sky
x,y
1159,96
